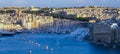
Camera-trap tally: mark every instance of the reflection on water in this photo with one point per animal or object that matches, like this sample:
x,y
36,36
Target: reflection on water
x,y
38,43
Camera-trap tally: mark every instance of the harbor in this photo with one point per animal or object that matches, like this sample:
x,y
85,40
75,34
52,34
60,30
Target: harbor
x,y
46,43
60,27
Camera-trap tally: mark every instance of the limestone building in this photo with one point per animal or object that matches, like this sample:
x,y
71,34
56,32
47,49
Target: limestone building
x,y
104,33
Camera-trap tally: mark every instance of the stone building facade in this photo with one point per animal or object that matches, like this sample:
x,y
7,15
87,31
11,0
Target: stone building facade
x,y
104,34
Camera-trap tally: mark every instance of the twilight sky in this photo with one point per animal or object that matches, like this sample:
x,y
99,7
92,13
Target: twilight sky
x,y
60,3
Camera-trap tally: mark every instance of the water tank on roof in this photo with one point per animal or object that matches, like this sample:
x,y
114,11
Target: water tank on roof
x,y
114,26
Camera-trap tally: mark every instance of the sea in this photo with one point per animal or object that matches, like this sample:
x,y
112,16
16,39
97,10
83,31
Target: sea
x,y
47,43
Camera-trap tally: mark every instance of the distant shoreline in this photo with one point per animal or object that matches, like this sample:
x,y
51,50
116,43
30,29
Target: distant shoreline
x,y
61,7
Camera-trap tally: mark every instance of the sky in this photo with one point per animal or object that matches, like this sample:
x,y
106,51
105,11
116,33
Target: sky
x,y
60,3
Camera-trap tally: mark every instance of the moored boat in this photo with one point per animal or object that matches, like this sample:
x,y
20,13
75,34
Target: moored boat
x,y
5,32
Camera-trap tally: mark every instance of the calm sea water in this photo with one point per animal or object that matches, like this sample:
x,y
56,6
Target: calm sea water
x,y
23,43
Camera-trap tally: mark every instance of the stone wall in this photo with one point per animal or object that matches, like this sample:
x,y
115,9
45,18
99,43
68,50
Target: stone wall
x,y
118,35
61,26
101,33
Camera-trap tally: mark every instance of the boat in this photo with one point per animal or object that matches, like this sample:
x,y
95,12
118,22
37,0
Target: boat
x,y
18,31
5,32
